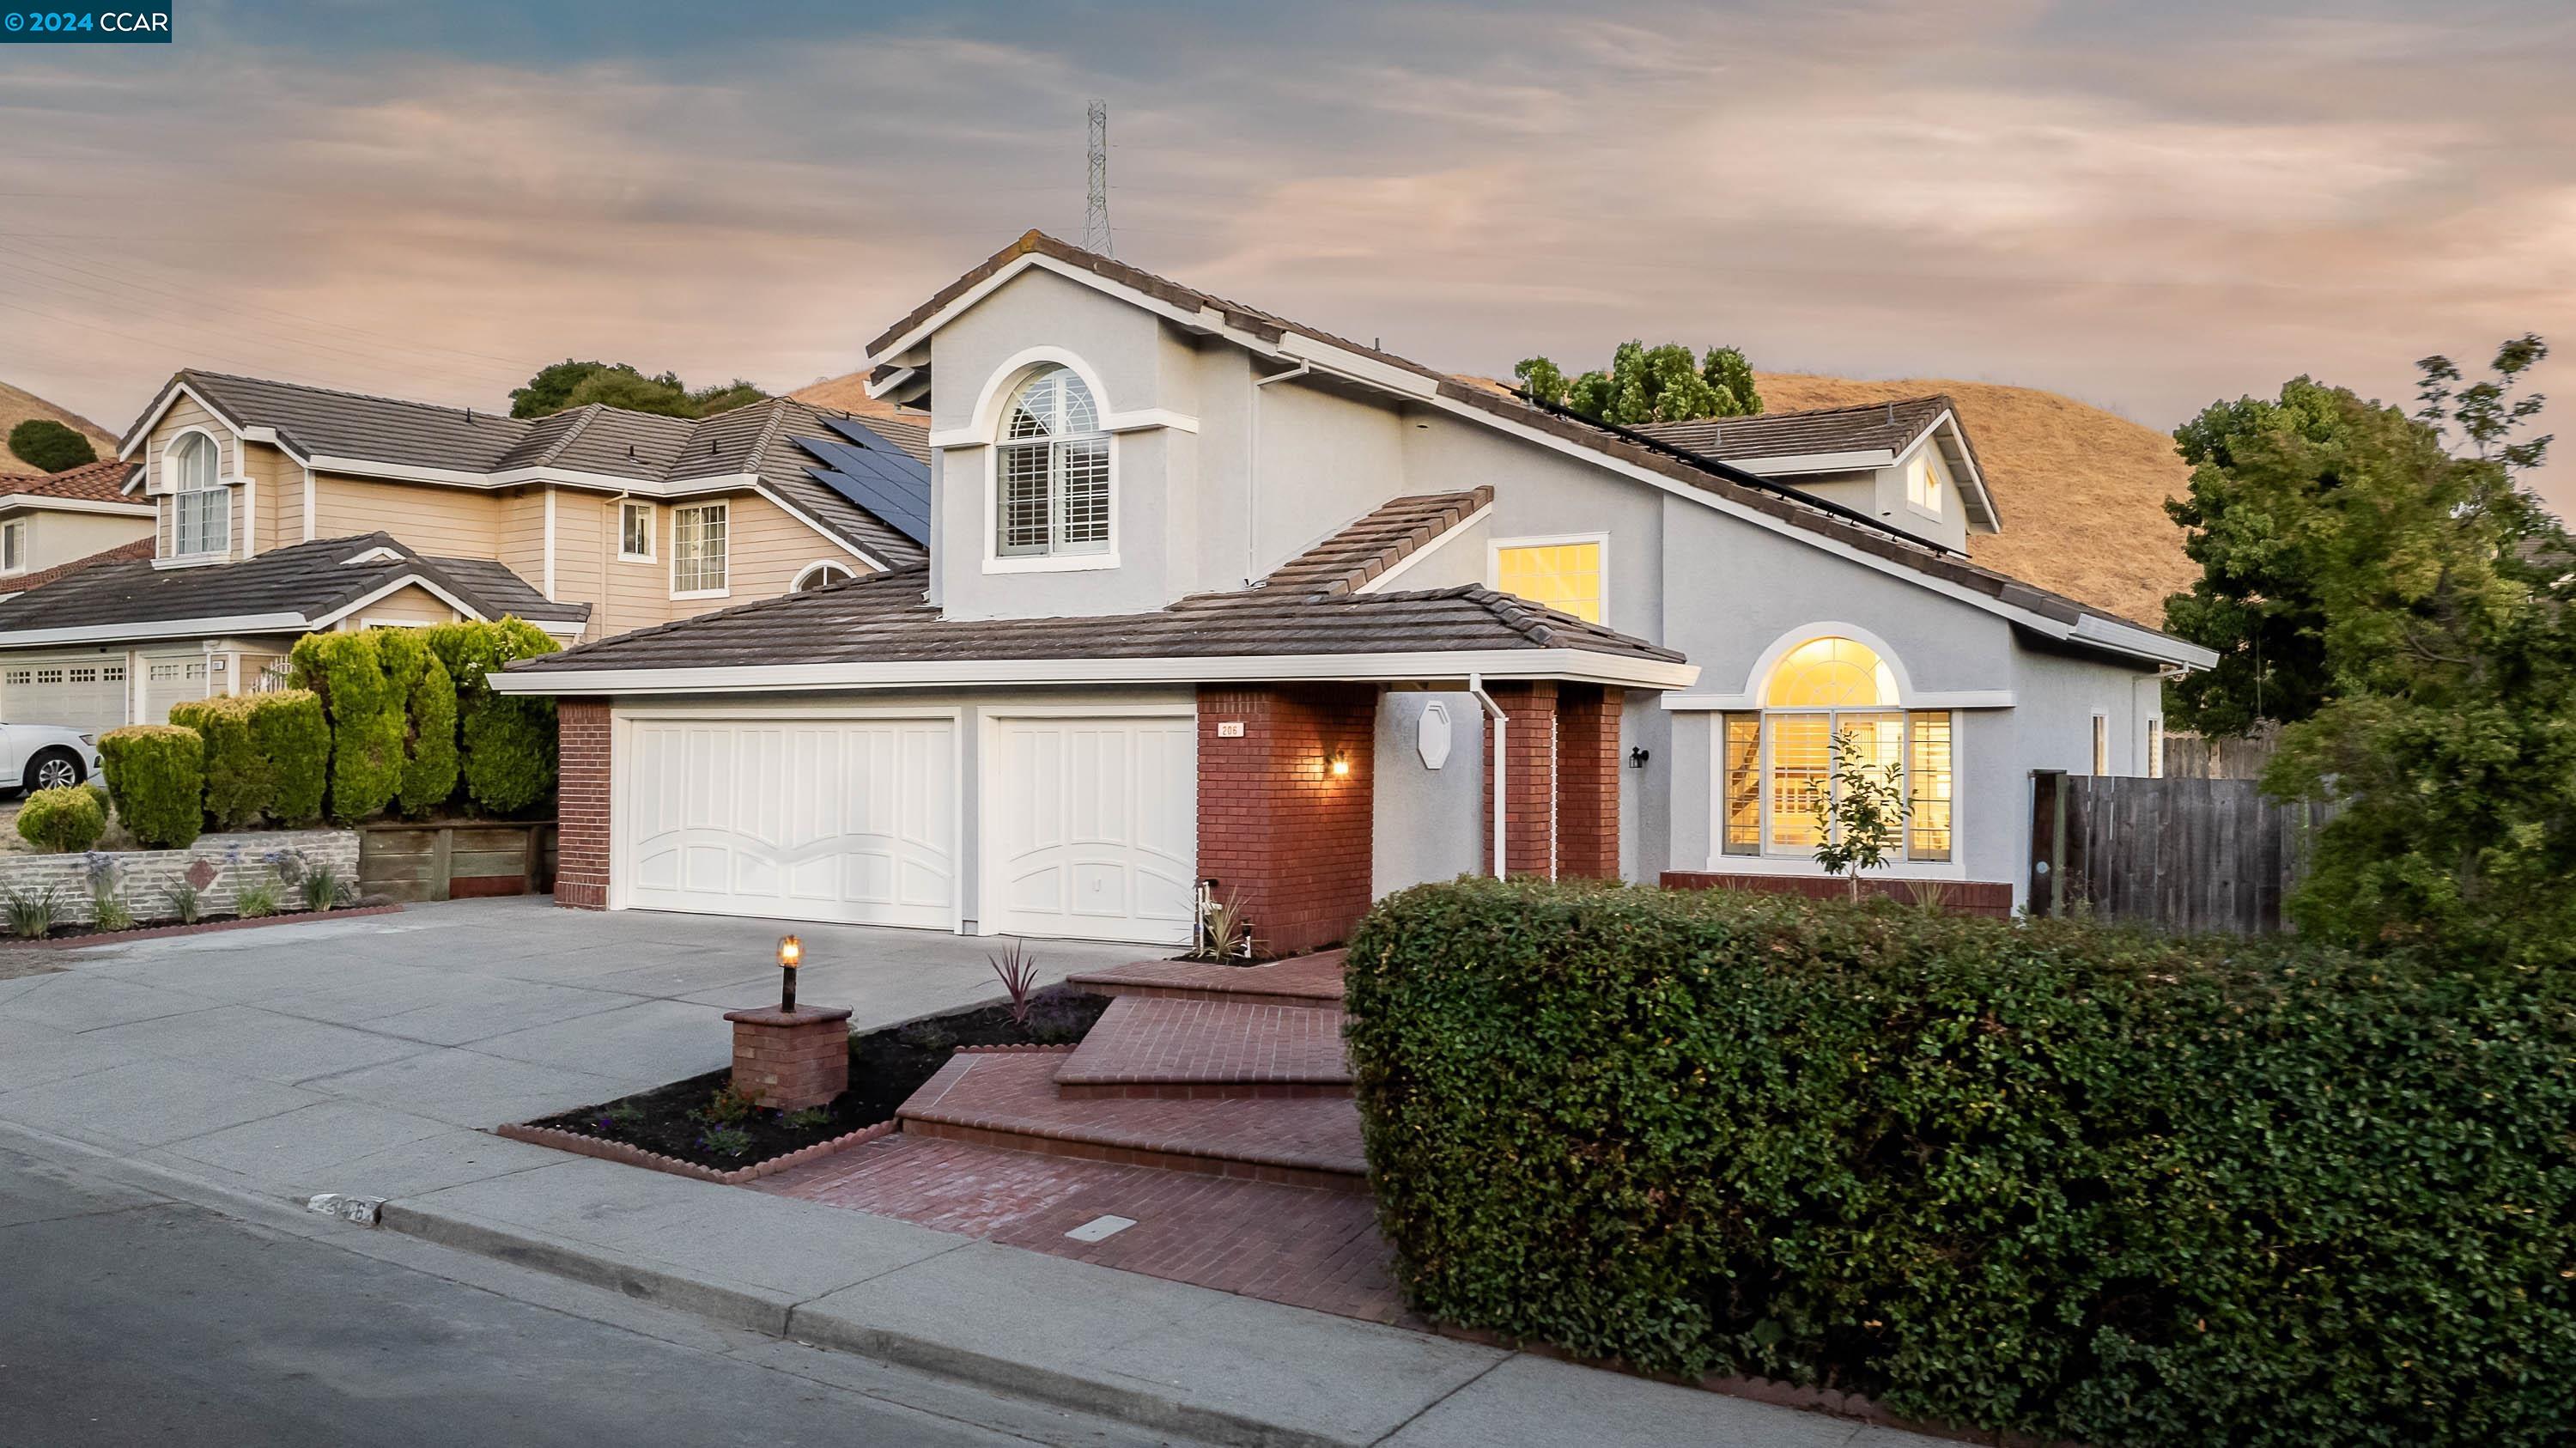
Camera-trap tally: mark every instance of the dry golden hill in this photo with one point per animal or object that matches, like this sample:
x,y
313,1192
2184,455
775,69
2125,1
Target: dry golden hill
x,y
16,406
2081,491
849,393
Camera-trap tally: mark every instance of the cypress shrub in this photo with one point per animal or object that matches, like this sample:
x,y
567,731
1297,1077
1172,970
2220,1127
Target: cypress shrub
x,y
2038,1177
506,745
346,670
59,821
288,729
429,719
156,773
241,784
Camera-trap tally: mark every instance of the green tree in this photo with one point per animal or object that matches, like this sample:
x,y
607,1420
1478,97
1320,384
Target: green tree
x,y
617,384
48,446
1860,812
1649,384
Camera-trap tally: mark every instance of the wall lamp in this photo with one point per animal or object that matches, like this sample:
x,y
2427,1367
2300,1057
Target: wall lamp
x,y
1637,757
791,953
1337,764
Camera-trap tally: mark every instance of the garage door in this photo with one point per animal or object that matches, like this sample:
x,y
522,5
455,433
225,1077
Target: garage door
x,y
843,820
78,693
1094,830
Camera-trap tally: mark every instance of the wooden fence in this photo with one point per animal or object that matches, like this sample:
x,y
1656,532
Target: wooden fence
x,y
2196,756
2183,854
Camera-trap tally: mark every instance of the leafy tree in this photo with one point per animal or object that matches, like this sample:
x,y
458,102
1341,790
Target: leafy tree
x,y
1860,812
1649,384
576,384
49,446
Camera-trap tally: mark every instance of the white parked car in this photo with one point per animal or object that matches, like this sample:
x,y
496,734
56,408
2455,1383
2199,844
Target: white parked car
x,y
45,756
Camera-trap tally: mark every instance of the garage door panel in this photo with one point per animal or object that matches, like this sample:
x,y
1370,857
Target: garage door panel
x,y
1095,828
85,692
840,820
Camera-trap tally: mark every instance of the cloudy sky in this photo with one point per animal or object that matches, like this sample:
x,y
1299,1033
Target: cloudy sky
x,y
2146,205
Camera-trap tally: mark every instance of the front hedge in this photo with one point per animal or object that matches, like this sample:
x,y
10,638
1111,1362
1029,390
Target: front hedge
x,y
366,712
61,820
428,698
287,727
156,773
241,783
2042,1177
507,751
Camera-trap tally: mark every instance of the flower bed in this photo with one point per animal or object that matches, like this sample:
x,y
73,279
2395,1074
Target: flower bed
x,y
699,1122
149,883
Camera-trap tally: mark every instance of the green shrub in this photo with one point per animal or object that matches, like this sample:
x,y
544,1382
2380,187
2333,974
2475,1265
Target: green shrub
x,y
59,821
156,773
365,712
2039,1177
429,719
288,728
241,784
506,745
49,446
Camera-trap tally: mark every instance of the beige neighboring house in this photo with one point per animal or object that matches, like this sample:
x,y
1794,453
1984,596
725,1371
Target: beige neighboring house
x,y
276,509
49,521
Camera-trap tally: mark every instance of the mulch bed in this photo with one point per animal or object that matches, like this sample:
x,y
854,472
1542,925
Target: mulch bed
x,y
886,1067
72,936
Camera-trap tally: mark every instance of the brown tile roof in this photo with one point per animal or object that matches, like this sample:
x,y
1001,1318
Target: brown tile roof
x,y
121,553
1345,562
98,482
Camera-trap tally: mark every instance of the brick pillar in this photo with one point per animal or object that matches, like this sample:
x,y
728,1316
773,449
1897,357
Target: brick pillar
x,y
789,1060
1587,782
1529,776
581,804
1278,830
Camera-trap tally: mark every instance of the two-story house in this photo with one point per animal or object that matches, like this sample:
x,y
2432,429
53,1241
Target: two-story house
x,y
276,509
53,524
1214,600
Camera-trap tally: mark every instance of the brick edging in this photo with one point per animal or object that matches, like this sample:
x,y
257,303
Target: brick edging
x,y
203,927
630,1155
1018,1049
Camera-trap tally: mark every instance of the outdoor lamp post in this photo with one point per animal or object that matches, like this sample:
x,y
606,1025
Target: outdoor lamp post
x,y
791,951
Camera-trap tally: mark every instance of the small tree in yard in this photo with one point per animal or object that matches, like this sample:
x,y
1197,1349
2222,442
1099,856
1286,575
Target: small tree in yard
x,y
1860,812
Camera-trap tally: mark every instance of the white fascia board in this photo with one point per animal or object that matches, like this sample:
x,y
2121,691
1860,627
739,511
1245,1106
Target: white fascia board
x,y
1786,464
1367,369
143,429
1935,699
893,382
2131,639
158,629
835,539
1578,665
43,502
1204,320
393,587
1384,582
514,477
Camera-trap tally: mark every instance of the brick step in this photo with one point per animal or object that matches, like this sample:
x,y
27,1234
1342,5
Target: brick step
x,y
1304,980
1010,1101
1188,1050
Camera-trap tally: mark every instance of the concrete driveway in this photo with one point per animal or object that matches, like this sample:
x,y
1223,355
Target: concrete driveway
x,y
366,1055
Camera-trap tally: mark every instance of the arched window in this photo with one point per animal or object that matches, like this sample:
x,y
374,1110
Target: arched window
x,y
1052,470
1781,767
817,575
200,509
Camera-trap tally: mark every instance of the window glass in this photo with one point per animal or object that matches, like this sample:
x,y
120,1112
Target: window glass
x,y
1831,673
1564,576
1780,773
200,509
1930,783
1052,470
821,574
1743,784
635,530
698,548
13,547
1923,486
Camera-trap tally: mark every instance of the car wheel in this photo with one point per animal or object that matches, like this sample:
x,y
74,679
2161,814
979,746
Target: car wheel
x,y
53,769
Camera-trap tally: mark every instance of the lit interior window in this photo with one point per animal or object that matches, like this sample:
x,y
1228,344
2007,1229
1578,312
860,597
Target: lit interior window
x,y
1564,576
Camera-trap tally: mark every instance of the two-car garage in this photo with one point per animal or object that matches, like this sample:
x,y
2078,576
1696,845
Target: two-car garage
x,y
1034,820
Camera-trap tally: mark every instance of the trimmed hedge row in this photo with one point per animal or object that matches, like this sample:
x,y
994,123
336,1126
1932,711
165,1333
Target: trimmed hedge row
x,y
2041,1177
508,743
263,756
156,774
413,725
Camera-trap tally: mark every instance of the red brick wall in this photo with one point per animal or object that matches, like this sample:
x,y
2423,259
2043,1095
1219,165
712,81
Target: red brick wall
x,y
581,804
1587,782
1529,775
1277,829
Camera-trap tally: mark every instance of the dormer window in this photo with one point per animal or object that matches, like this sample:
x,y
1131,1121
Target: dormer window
x,y
1052,470
200,510
1926,488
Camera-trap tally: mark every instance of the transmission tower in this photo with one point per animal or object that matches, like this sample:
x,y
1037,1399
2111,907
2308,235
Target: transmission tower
x,y
1095,220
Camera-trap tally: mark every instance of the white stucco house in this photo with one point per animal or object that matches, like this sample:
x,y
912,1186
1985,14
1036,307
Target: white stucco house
x,y
1217,601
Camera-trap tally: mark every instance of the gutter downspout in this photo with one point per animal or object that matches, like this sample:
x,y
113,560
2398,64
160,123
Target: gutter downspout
x,y
1252,470
1502,736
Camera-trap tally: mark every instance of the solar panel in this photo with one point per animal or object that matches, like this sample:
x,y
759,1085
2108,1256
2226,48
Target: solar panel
x,y
875,474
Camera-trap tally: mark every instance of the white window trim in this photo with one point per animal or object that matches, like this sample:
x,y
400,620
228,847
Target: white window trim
x,y
2098,746
1803,861
652,531
1927,462
170,489
677,592
1494,549
13,537
797,584
991,410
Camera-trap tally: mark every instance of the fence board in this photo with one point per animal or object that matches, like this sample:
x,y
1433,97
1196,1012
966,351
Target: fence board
x,y
2184,853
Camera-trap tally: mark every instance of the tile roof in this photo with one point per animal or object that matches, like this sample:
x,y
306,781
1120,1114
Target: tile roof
x,y
1379,541
99,482
309,580
28,582
1876,426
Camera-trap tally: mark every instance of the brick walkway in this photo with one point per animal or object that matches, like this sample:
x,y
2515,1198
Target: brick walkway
x,y
1297,1245
1191,1049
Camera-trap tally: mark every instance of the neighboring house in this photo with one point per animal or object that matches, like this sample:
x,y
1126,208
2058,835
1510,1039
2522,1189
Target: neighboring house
x,y
1215,598
1906,463
276,509
49,520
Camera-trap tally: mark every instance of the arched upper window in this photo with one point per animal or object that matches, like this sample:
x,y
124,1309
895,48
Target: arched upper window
x,y
817,575
1052,470
1782,767
200,509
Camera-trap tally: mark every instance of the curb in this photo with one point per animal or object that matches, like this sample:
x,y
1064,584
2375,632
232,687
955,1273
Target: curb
x,y
737,1307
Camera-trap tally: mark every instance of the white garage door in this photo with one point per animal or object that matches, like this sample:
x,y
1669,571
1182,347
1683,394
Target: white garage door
x,y
1094,828
76,693
805,819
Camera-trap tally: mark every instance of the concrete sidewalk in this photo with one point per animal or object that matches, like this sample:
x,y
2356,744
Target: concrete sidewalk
x,y
371,1056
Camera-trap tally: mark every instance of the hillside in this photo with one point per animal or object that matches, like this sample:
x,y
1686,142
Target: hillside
x,y
16,406
2081,491
848,393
